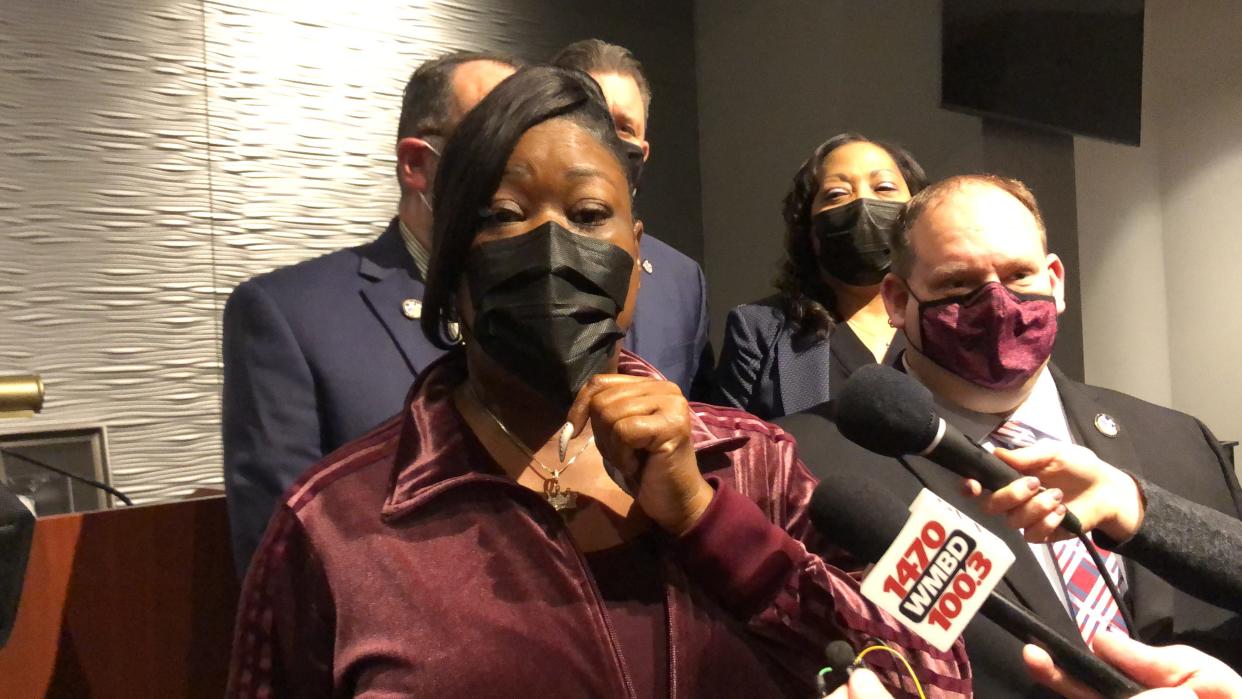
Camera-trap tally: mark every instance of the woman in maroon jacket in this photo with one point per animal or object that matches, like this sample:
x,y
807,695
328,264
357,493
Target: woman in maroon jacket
x,y
548,516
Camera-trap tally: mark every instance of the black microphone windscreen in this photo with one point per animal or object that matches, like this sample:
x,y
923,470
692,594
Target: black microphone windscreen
x,y
887,412
840,655
858,514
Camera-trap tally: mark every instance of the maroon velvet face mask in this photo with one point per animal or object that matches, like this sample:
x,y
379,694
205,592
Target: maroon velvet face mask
x,y
992,337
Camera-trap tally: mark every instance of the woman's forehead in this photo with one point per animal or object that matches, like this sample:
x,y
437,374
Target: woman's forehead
x,y
857,157
562,145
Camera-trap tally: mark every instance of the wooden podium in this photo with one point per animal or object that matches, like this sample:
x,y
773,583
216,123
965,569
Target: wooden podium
x,y
133,602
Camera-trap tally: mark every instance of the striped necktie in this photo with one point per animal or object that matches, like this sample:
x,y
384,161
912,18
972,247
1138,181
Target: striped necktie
x,y
1090,602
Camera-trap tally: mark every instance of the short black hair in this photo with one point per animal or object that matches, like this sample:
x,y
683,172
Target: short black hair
x,y
809,303
428,93
474,162
599,56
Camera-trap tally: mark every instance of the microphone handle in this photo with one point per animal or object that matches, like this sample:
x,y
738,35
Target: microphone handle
x,y
1080,664
956,452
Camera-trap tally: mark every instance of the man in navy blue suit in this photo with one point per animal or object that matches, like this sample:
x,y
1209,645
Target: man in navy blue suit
x,y
319,353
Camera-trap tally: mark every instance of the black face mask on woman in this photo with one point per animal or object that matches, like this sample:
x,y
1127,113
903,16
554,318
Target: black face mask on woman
x,y
853,240
546,305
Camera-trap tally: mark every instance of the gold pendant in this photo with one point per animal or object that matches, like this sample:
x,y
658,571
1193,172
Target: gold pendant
x,y
563,501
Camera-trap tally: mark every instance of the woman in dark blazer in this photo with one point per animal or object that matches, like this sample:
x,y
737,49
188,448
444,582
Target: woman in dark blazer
x,y
787,352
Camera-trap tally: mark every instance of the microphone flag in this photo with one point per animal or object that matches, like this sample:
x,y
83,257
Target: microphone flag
x,y
938,571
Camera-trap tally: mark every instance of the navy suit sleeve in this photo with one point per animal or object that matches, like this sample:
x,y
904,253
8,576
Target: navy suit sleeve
x,y
741,362
270,422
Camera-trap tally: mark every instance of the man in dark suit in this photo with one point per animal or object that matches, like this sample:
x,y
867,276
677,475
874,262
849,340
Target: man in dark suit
x,y
977,294
670,323
318,353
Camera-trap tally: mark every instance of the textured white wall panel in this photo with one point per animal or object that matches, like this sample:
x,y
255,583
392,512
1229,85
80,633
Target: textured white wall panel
x,y
105,252
156,153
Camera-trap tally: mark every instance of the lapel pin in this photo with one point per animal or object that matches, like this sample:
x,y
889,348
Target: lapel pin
x,y
412,308
1107,425
647,266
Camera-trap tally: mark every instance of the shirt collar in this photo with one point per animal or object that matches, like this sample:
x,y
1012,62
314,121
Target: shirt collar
x,y
421,255
437,450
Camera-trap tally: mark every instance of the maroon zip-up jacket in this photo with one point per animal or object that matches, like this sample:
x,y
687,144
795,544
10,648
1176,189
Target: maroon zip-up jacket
x,y
407,564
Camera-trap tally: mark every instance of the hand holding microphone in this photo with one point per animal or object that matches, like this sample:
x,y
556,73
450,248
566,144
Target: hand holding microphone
x,y
1073,477
1172,671
889,413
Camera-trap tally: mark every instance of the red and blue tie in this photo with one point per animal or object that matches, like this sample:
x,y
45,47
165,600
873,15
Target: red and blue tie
x,y
1090,602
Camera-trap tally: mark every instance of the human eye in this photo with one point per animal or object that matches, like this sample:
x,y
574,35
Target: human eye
x,y
590,213
833,194
502,212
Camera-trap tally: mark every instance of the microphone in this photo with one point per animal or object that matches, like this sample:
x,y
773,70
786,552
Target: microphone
x,y
70,475
887,412
864,517
841,658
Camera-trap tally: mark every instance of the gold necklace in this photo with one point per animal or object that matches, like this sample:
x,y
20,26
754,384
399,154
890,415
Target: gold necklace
x,y
563,500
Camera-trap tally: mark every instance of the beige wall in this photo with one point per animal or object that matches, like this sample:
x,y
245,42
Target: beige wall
x,y
1160,240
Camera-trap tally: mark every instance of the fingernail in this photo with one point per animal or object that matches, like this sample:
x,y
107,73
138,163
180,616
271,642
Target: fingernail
x,y
1032,483
567,431
1061,509
1057,495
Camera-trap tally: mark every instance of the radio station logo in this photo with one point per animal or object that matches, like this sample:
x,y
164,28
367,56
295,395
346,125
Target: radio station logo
x,y
938,572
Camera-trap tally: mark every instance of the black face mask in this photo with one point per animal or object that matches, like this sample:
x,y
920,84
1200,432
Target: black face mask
x,y
546,306
853,240
633,163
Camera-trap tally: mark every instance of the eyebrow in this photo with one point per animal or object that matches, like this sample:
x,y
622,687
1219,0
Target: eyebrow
x,y
948,269
521,169
582,172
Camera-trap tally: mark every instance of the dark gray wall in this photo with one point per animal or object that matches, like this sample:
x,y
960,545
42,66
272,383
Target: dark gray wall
x,y
777,78
661,35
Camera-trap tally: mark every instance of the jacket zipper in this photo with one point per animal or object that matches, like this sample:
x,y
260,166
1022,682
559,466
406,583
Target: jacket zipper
x,y
671,649
602,613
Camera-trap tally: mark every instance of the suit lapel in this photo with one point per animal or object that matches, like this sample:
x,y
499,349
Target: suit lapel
x,y
389,278
1025,582
802,371
1081,412
1151,599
